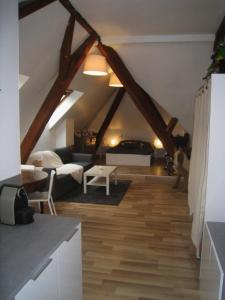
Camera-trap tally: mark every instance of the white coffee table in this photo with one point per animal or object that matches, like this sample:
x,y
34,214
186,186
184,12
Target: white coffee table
x,y
101,176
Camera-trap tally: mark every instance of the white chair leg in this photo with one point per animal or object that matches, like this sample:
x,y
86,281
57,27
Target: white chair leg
x,y
50,207
39,206
53,206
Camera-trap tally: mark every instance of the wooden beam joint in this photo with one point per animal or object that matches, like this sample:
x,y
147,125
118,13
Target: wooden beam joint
x,y
142,100
70,8
171,125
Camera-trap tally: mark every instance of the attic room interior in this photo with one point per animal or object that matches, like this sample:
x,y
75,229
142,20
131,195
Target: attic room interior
x,y
112,151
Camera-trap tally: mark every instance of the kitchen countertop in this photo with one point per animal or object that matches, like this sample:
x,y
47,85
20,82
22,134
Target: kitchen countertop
x,y
25,248
217,232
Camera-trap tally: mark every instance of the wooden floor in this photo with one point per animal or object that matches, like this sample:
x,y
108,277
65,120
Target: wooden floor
x,y
140,249
156,169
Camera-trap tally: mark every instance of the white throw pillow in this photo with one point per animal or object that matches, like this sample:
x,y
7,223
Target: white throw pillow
x,y
49,159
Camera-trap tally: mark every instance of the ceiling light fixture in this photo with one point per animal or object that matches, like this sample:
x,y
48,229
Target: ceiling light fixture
x,y
95,65
114,81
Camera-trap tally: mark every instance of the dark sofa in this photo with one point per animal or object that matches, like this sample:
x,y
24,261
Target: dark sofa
x,y
65,183
68,157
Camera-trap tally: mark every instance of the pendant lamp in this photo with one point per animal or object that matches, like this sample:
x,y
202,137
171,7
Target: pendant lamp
x,y
95,65
114,81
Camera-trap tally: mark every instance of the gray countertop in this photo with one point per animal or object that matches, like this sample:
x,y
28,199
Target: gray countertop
x,y
217,232
24,249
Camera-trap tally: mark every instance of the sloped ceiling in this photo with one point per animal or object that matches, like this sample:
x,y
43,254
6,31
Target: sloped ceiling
x,y
151,17
170,72
41,35
96,94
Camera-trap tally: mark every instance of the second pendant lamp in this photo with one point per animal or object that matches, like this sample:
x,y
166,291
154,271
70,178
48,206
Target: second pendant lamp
x,y
114,81
95,65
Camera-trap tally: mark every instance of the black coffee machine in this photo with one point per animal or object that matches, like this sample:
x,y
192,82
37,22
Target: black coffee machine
x,y
14,207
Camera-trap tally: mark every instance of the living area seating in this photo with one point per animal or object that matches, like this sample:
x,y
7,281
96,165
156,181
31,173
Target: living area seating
x,y
40,197
63,183
130,152
67,156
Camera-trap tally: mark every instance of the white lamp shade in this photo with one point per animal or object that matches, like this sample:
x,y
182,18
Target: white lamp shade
x,y
95,65
114,81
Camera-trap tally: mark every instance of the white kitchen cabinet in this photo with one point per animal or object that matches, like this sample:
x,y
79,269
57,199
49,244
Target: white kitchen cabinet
x,y
70,268
60,275
211,271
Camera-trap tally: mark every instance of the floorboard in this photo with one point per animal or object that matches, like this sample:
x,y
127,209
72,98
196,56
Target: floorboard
x,y
141,249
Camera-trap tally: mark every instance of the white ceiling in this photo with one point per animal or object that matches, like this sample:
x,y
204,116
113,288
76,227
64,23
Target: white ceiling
x,y
152,17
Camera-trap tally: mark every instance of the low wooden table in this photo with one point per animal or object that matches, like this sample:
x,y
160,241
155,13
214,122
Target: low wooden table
x,y
101,176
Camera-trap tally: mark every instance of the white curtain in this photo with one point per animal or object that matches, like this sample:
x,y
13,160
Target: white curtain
x,y
199,164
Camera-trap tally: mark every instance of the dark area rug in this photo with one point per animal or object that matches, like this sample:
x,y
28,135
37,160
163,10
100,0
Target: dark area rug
x,y
97,194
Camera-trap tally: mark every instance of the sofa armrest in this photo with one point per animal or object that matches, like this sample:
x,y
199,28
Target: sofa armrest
x,y
86,157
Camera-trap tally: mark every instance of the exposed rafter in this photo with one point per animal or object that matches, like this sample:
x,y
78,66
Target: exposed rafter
x,y
109,117
53,98
67,4
28,7
65,52
69,65
141,99
171,125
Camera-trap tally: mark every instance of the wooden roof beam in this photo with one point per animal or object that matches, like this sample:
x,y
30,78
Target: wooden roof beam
x,y
53,99
171,125
65,52
28,7
67,4
109,117
141,99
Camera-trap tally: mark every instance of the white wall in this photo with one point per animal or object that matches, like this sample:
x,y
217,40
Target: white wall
x,y
64,133
61,135
215,198
69,132
9,95
47,140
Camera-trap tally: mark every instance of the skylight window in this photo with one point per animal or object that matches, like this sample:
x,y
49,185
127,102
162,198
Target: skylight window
x,y
66,94
64,106
22,80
